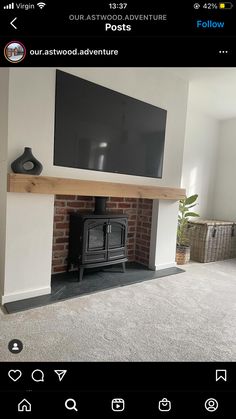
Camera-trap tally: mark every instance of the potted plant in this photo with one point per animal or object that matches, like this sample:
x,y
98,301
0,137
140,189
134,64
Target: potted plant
x,y
183,245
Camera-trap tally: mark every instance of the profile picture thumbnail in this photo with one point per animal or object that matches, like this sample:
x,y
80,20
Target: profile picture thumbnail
x,y
15,51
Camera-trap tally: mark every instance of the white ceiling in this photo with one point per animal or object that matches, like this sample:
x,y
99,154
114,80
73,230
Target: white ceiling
x,y
213,90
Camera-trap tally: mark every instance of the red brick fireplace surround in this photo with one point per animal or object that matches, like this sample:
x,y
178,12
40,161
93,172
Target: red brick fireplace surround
x,y
132,199
139,213
31,198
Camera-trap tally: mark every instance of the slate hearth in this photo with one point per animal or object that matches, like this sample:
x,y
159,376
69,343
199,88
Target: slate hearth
x,y
65,285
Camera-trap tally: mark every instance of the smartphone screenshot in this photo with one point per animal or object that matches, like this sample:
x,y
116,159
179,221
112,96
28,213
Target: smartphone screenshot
x,y
117,209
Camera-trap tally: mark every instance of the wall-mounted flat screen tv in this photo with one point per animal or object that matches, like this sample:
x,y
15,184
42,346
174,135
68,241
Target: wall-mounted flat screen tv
x,y
97,128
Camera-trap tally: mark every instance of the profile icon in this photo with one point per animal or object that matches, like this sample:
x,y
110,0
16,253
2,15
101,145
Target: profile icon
x,y
211,405
14,52
15,346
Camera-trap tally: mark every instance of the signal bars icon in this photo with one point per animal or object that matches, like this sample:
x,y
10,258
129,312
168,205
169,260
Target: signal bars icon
x,y
9,6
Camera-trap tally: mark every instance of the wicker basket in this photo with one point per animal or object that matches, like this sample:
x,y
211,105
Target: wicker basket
x,y
211,240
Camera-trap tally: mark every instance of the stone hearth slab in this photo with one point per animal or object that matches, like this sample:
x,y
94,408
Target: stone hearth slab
x,y
66,286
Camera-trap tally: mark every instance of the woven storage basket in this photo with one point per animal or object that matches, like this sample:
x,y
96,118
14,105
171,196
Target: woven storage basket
x,y
211,240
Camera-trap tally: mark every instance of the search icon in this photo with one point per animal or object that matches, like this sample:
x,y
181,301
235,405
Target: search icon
x,y
70,404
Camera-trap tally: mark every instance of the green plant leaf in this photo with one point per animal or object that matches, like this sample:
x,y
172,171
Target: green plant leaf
x,y
191,199
191,214
183,217
191,206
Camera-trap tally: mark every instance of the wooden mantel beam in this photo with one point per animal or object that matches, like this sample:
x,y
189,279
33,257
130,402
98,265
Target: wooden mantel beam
x,y
64,186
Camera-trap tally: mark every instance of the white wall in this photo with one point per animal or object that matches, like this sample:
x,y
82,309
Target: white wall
x,y
32,92
200,158
163,234
29,246
225,192
31,123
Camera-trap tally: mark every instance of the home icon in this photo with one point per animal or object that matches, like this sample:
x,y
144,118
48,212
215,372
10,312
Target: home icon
x,y
24,406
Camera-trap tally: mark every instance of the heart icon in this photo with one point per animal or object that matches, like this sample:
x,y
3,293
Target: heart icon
x,y
14,374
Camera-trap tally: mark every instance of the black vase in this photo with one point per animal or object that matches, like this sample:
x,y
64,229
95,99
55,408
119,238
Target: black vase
x,y
27,163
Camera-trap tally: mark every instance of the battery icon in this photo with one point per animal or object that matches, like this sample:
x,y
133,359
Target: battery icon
x,y
226,6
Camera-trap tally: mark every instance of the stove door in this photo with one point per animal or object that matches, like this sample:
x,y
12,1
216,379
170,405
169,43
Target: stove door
x,y
116,238
95,241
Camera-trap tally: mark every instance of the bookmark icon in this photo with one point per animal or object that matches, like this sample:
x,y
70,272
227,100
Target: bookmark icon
x,y
221,375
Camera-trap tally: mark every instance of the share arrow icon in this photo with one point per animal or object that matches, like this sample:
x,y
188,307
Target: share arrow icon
x,y
61,374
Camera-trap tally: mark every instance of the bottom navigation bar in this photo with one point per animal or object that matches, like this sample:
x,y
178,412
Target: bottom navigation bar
x,y
149,405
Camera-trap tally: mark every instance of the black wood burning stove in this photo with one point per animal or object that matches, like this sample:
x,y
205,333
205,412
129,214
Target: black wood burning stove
x,y
97,240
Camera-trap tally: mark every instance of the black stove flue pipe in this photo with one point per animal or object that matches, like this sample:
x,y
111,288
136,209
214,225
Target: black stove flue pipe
x,y
100,205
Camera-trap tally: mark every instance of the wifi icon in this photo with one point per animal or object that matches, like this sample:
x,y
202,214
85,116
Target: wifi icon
x,y
41,5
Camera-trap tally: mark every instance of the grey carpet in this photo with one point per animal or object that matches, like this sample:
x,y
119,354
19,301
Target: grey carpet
x,y
186,317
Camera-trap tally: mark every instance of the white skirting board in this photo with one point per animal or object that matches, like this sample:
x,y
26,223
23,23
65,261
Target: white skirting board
x,y
164,266
8,298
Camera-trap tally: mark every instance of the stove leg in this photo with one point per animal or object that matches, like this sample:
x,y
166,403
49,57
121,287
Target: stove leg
x,y
123,267
80,274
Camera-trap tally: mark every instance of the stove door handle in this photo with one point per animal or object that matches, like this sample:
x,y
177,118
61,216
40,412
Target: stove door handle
x,y
108,228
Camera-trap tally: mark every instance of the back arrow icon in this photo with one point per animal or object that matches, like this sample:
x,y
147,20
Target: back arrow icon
x,y
12,23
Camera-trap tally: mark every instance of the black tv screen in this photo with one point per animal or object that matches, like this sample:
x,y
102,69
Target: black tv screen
x,y
97,128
